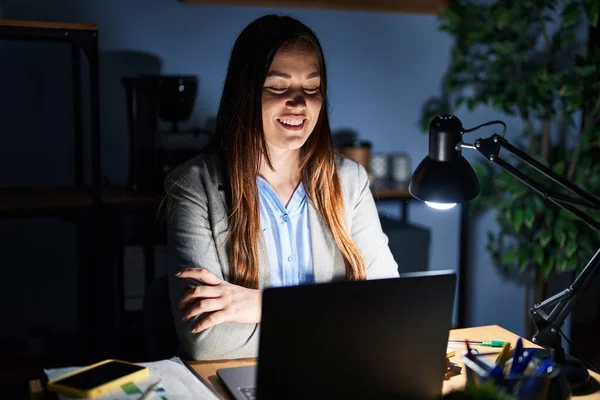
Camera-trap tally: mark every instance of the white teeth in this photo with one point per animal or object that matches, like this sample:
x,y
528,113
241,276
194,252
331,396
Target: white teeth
x,y
293,122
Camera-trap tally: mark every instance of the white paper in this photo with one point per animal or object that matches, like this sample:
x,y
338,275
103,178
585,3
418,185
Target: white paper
x,y
177,382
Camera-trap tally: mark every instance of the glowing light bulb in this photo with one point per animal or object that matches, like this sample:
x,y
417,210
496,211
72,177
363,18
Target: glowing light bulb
x,y
440,206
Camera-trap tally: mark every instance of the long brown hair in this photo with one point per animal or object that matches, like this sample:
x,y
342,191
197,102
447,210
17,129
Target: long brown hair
x,y
240,130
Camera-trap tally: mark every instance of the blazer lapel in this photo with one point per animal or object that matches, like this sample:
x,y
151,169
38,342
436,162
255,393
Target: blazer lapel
x,y
325,263
263,260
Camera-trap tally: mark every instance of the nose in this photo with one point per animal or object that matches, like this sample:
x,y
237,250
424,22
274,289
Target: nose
x,y
297,100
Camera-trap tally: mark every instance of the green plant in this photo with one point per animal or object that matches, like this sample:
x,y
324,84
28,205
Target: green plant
x,y
484,391
528,60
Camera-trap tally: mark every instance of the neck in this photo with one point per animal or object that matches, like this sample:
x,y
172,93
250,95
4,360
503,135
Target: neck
x,y
286,168
285,176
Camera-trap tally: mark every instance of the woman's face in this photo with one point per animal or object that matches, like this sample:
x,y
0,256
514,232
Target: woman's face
x,y
291,98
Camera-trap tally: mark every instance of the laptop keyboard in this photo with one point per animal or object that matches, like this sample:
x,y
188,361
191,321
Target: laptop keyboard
x,y
249,392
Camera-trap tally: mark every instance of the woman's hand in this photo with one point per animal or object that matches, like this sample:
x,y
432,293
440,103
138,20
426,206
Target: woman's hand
x,y
219,299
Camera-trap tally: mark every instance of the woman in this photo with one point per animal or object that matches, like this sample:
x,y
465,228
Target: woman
x,y
270,204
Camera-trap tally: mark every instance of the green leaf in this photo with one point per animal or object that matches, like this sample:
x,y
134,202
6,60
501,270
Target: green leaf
x,y
538,255
518,219
524,258
471,103
568,90
547,266
592,9
572,263
504,181
586,70
545,238
560,237
549,216
570,248
561,262
529,217
539,204
591,134
510,256
570,14
569,227
502,48
560,167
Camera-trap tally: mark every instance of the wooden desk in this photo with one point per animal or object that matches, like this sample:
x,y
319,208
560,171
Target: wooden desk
x,y
208,369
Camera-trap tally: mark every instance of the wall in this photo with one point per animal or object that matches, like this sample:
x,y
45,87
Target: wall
x,y
382,68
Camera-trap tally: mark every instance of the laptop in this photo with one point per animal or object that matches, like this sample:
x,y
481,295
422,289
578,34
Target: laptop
x,y
382,338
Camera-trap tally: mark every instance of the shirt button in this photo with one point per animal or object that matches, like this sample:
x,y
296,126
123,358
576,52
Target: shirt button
x,y
285,217
291,258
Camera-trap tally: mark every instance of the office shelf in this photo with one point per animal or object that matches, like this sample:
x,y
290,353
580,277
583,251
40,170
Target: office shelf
x,y
118,198
80,202
48,25
43,202
83,37
410,6
391,193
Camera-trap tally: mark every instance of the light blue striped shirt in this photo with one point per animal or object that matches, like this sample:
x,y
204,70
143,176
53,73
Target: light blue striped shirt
x,y
286,233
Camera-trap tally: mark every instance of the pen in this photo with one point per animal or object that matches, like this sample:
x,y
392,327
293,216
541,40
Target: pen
x,y
504,355
517,353
149,390
491,343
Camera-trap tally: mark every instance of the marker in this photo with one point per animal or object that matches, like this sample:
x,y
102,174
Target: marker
x,y
491,343
149,390
504,355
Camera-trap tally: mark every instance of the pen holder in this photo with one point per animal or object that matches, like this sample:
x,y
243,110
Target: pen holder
x,y
551,385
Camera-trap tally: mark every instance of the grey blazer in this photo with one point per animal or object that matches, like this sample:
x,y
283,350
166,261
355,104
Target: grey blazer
x,y
197,232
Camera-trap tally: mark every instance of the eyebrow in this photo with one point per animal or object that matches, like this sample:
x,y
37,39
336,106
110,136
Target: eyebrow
x,y
288,76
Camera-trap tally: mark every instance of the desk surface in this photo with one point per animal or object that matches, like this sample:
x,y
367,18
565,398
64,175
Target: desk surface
x,y
207,369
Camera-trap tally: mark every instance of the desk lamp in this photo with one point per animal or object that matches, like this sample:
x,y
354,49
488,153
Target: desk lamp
x,y
445,178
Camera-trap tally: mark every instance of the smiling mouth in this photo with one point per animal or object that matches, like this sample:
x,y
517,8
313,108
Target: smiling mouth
x,y
292,124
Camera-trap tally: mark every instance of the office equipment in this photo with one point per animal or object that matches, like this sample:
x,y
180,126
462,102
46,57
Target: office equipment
x,y
241,381
207,370
489,343
445,178
97,379
154,151
176,382
534,378
360,339
504,355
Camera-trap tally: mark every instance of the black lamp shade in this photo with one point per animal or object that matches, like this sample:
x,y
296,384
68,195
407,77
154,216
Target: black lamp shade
x,y
444,176
444,181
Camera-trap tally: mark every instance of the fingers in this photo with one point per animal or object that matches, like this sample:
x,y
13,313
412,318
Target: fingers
x,y
199,292
204,306
211,320
200,274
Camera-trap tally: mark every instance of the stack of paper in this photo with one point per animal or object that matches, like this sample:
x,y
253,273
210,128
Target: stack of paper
x,y
177,382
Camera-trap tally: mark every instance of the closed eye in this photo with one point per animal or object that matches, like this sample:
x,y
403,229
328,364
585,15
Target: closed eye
x,y
281,90
276,89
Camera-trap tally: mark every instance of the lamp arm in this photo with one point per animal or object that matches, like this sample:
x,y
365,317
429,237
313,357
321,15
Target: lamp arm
x,y
490,148
549,315
549,173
